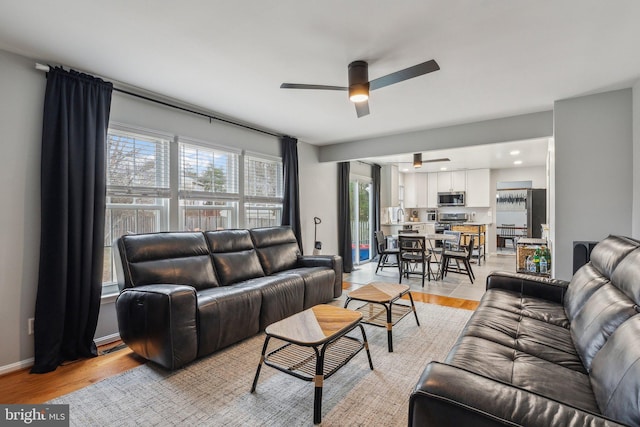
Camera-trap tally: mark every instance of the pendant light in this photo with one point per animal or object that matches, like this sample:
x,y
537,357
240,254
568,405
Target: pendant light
x,y
417,160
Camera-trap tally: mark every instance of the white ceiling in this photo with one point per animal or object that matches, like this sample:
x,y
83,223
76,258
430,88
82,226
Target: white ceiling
x,y
498,57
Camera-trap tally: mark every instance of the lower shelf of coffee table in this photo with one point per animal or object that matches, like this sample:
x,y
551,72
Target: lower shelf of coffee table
x,y
300,361
376,314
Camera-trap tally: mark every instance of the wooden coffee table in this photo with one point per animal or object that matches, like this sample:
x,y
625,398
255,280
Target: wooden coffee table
x,y
316,346
380,309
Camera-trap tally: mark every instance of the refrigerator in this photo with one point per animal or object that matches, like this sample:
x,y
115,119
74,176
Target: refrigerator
x,y
536,211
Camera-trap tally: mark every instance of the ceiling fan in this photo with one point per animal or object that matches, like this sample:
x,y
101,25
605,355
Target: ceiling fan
x,y
359,84
417,160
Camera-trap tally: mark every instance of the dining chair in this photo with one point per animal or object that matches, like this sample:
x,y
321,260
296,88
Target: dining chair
x,y
384,252
461,255
508,232
414,257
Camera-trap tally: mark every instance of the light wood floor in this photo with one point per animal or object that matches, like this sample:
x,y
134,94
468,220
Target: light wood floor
x,y
22,387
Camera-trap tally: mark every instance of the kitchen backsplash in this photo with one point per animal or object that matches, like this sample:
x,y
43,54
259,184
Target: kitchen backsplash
x,y
482,215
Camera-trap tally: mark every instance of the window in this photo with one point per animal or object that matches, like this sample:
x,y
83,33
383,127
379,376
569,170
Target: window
x,y
137,169
262,191
209,194
157,183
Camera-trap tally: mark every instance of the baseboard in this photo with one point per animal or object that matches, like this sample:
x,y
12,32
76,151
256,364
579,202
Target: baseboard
x,y
27,363
107,339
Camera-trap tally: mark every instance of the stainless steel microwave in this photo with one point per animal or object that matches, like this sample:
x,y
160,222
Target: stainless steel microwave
x,y
451,199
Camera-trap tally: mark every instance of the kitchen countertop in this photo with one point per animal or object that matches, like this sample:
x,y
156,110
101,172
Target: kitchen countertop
x,y
408,223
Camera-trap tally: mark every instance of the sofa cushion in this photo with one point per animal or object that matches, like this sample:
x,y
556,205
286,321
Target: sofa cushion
x,y
170,258
583,284
606,255
225,316
315,280
277,248
615,374
282,296
627,275
234,256
523,370
550,341
607,309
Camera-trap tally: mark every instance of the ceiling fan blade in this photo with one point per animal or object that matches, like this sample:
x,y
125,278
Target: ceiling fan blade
x,y
362,108
406,74
304,86
444,159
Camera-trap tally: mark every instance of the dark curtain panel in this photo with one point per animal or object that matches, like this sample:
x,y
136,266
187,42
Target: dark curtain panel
x,y
375,220
76,116
291,202
344,217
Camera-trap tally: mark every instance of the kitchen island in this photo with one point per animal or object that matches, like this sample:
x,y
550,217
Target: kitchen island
x,y
479,232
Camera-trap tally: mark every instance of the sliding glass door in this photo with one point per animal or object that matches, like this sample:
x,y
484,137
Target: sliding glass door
x,y
361,203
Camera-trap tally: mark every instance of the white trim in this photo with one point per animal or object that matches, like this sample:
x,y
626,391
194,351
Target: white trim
x,y
107,339
257,155
141,130
26,363
208,144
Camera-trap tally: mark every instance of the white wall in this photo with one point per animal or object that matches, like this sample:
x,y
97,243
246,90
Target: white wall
x,y
593,172
319,197
515,128
21,103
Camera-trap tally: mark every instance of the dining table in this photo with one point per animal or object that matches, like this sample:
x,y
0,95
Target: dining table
x,y
431,238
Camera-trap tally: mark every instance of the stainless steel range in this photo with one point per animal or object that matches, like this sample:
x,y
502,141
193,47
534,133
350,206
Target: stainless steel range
x,y
447,219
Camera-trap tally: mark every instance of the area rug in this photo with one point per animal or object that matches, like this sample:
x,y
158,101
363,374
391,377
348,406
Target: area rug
x,y
214,391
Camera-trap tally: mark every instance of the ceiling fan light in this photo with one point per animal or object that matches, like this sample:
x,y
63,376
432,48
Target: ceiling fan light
x,y
359,92
417,160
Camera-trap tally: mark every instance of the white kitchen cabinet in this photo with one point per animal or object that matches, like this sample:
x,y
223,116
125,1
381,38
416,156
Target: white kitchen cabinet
x,y
410,200
452,181
432,190
478,188
421,189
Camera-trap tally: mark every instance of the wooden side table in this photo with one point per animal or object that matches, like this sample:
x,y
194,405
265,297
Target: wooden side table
x,y
316,346
380,298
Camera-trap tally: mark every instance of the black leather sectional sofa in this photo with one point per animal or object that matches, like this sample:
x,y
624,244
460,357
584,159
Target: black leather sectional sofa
x,y
187,294
540,352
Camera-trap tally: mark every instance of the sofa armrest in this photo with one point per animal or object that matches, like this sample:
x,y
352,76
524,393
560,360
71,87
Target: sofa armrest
x,y
530,285
450,396
332,261
158,322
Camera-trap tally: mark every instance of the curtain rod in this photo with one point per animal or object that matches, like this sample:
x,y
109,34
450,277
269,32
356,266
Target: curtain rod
x,y
46,68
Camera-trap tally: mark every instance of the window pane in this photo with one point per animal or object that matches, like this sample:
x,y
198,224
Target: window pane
x,y
121,221
208,170
201,215
262,215
263,177
136,162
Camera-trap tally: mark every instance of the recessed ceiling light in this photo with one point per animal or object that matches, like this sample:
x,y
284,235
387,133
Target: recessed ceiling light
x,y
514,152
443,168
405,170
517,162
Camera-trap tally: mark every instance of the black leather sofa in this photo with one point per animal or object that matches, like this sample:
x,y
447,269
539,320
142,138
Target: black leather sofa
x,y
187,294
542,352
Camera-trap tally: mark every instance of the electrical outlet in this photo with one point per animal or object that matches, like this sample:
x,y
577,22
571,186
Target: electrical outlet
x,y
30,325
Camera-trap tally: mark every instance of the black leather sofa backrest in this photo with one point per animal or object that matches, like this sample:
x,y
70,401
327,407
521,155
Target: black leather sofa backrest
x,y
605,257
234,256
277,248
166,258
627,275
615,374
